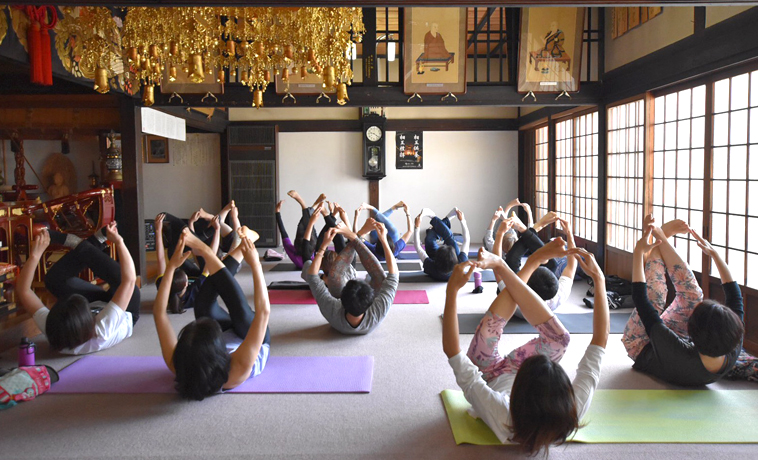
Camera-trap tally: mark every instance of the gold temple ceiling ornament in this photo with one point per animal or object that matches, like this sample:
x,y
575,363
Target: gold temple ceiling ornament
x,y
247,45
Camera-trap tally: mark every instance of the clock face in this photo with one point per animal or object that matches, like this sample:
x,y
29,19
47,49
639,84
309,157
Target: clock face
x,y
373,133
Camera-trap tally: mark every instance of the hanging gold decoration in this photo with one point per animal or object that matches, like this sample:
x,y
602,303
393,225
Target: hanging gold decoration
x,y
3,23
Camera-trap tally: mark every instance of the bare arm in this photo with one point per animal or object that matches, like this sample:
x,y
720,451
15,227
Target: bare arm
x,y
464,228
570,269
417,240
724,272
243,359
128,273
160,251
407,235
319,256
601,317
26,295
216,224
381,230
166,333
450,335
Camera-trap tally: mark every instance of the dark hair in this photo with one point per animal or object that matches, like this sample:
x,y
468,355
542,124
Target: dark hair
x,y
714,329
544,283
70,323
180,281
356,297
200,359
543,409
380,248
445,259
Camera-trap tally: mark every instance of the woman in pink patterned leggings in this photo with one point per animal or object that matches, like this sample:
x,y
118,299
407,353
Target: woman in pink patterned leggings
x,y
525,397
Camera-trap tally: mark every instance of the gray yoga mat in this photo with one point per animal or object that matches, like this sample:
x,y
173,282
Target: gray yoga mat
x,y
402,266
284,267
575,323
289,285
420,277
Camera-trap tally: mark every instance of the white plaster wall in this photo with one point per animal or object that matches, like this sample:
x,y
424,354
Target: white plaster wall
x,y
476,171
181,187
84,150
716,14
672,25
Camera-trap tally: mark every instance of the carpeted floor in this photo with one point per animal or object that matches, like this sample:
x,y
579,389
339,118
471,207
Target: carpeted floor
x,y
402,417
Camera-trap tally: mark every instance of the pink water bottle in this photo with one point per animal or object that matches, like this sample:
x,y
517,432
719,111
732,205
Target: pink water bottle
x,y
26,352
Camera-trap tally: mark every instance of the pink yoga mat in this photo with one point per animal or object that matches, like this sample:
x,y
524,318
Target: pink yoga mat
x,y
282,374
291,297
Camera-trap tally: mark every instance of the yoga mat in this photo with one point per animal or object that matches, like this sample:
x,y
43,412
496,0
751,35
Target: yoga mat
x,y
640,416
284,267
402,266
290,297
488,276
575,323
283,374
289,285
408,255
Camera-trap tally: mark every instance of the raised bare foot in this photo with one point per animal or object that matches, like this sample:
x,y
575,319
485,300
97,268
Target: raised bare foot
x,y
245,232
228,206
399,205
326,208
205,214
293,194
319,200
193,242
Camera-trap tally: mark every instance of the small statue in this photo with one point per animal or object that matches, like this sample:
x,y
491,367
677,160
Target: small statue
x,y
58,188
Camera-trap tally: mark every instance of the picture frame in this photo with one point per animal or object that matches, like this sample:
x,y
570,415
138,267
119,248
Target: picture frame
x,y
434,53
155,149
550,50
409,150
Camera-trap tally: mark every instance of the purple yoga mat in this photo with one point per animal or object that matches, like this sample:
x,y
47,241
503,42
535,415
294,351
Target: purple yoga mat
x,y
292,297
282,374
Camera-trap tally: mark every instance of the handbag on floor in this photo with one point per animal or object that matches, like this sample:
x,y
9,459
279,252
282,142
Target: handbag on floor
x,y
24,384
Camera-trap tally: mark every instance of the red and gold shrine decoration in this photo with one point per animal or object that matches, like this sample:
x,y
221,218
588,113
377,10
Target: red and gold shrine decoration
x,y
41,20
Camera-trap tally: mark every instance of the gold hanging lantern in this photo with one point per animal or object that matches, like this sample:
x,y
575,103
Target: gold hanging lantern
x,y
330,77
243,48
342,98
267,76
258,98
311,56
145,63
113,159
148,95
101,80
154,52
172,74
259,49
285,74
221,76
289,52
197,75
231,47
174,49
132,54
244,76
303,72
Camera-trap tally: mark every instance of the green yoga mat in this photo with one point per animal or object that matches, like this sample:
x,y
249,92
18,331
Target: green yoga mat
x,y
640,416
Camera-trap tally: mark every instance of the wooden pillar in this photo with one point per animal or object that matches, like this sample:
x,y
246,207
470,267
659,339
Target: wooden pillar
x,y
602,182
370,71
132,226
373,193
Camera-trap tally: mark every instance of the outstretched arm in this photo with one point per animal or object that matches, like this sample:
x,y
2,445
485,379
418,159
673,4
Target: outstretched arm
x,y
159,250
166,334
723,268
464,229
570,269
319,256
601,318
407,235
243,359
417,240
381,230
128,274
26,295
216,224
450,335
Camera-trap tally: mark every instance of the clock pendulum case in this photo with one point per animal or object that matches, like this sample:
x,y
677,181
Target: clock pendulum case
x,y
374,162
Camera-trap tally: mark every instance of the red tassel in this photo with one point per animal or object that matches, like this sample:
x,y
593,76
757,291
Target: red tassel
x,y
45,57
35,54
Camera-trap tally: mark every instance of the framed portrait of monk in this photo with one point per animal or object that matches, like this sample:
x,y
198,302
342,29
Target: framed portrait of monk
x,y
550,49
434,51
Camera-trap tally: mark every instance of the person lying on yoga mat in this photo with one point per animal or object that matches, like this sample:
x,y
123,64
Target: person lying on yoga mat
x,y
71,325
525,397
442,253
511,236
203,358
301,249
181,295
534,273
361,306
692,341
396,241
169,228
